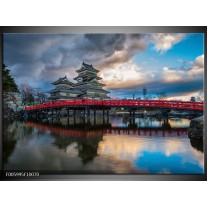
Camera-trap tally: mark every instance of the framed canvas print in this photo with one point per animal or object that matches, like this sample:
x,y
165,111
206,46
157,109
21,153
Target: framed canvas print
x,y
103,103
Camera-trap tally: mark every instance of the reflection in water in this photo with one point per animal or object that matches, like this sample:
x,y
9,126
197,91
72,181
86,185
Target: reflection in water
x,y
115,145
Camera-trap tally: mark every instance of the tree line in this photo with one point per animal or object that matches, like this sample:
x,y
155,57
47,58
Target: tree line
x,y
28,94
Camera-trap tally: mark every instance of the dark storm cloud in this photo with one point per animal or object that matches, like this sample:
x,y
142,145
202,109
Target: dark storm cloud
x,y
107,44
134,43
31,54
40,59
44,57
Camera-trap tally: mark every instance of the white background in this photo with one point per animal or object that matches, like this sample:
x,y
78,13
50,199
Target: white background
x,y
102,13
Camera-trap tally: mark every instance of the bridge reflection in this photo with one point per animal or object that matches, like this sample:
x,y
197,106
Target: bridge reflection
x,y
92,140
82,137
90,129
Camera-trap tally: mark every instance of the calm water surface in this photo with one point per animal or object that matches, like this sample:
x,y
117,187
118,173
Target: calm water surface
x,y
114,145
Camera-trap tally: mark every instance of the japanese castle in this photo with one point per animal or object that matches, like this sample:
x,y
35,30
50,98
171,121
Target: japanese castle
x,y
87,86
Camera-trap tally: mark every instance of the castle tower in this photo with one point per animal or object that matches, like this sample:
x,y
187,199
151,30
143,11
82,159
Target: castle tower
x,y
88,83
64,89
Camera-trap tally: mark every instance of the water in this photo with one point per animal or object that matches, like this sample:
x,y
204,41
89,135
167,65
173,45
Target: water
x,y
115,145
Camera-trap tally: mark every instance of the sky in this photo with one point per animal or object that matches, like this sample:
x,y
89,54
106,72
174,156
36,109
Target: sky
x,y
162,62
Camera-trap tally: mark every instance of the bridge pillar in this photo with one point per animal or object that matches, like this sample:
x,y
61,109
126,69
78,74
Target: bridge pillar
x,y
37,114
166,124
103,112
56,113
130,112
94,120
68,119
94,113
74,119
165,112
107,112
88,112
133,120
107,116
68,112
68,115
107,121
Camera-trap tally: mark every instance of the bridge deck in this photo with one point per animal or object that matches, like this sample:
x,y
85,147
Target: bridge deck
x,y
181,105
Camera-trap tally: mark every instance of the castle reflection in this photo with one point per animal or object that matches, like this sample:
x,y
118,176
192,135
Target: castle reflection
x,y
106,145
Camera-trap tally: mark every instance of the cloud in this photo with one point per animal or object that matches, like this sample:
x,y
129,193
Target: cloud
x,y
194,72
174,90
65,52
41,59
132,45
125,76
199,62
163,42
107,44
46,57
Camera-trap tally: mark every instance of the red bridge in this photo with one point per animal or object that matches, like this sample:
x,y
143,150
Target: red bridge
x,y
158,104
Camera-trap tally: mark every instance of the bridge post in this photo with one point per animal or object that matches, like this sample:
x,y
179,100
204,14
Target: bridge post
x,y
68,119
133,113
165,112
68,115
130,112
68,112
103,119
166,124
84,112
94,118
56,113
52,114
107,112
74,120
37,114
88,112
94,112
107,116
133,120
103,112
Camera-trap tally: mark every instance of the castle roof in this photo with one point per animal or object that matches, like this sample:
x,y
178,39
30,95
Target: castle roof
x,y
88,84
63,80
87,75
82,88
71,90
95,90
86,66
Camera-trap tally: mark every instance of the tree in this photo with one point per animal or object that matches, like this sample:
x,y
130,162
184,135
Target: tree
x,y
9,84
161,96
40,96
27,93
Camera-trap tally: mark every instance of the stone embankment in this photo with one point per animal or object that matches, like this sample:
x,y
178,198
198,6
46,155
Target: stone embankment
x,y
195,130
